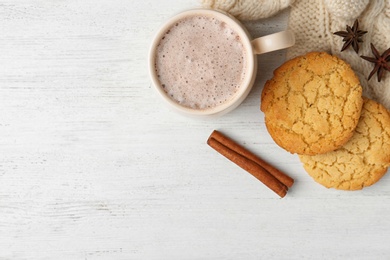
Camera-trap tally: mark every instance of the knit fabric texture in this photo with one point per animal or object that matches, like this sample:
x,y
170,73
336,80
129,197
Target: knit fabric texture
x,y
315,21
248,9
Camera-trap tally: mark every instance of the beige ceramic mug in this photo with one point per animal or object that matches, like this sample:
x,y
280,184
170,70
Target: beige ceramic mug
x,y
203,62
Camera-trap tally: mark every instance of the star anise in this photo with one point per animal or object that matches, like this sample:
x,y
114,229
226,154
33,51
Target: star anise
x,y
352,36
380,61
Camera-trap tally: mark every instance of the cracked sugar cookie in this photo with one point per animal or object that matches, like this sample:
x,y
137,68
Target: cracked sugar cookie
x,y
363,160
312,104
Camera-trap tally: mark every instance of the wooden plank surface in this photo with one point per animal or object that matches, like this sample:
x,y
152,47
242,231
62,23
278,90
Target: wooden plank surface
x,y
94,166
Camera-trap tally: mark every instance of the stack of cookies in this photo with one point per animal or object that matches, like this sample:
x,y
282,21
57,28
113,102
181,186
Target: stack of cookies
x,y
314,107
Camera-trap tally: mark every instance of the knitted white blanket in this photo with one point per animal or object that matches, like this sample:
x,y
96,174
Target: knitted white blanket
x,y
315,21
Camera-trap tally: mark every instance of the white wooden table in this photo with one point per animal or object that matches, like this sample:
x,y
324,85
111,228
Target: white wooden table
x,y
94,166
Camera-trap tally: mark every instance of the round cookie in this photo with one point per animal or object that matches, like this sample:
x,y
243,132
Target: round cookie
x,y
363,160
312,104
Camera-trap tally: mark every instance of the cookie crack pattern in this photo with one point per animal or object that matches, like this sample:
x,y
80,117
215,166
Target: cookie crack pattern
x,y
312,104
303,103
363,160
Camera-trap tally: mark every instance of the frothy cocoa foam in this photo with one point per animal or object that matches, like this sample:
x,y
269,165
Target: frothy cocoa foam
x,y
200,62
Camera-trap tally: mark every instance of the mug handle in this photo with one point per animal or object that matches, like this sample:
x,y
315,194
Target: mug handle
x,y
273,42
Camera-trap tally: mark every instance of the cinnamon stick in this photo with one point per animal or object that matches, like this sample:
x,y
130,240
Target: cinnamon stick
x,y
250,163
282,177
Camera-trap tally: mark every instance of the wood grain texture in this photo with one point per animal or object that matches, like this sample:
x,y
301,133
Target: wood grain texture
x,y
93,166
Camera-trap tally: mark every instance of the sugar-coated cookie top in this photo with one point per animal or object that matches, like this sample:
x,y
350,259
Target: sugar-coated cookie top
x,y
312,104
363,160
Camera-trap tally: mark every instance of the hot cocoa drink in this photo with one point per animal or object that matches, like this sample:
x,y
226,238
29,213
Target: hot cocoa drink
x,y
200,62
